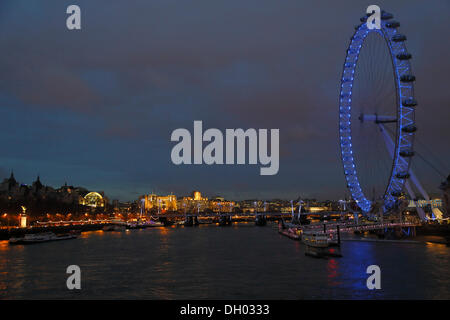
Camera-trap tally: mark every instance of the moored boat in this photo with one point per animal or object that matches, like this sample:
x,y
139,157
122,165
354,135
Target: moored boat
x,y
315,239
321,245
130,225
41,237
293,233
151,223
114,227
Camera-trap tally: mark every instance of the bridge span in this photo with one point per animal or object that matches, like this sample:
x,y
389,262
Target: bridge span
x,y
351,226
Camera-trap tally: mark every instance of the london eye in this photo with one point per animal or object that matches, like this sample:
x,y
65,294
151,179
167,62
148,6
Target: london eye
x,y
376,114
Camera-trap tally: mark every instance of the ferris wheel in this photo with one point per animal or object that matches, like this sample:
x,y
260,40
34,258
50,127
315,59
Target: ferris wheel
x,y
376,115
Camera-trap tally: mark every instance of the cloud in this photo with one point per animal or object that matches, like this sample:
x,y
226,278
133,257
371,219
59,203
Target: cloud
x,y
110,95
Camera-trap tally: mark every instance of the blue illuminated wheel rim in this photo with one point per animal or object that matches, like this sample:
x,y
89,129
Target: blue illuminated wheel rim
x,y
405,105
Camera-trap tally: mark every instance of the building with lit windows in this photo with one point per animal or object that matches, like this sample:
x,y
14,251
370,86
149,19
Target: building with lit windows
x,y
41,199
221,206
194,203
162,203
197,196
93,199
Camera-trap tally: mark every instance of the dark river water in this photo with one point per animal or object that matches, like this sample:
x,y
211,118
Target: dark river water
x,y
210,262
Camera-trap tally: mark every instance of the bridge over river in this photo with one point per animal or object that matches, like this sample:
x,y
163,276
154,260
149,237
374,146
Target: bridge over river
x,y
359,227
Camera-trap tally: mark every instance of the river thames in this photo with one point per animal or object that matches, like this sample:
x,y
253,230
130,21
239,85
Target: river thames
x,y
210,262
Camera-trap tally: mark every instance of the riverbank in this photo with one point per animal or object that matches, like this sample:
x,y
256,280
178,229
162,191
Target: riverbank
x,y
5,234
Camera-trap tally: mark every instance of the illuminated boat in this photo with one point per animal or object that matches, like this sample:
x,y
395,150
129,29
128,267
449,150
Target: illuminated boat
x,y
132,225
291,232
315,239
135,225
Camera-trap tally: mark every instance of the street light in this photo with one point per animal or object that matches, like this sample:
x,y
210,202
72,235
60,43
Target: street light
x,y
5,215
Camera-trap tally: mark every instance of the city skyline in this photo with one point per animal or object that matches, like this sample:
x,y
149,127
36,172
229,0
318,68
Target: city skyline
x,y
208,193
85,110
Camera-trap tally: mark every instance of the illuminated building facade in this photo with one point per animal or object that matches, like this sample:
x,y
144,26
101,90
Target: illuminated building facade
x,y
194,203
164,203
197,196
93,199
42,199
221,206
317,209
434,203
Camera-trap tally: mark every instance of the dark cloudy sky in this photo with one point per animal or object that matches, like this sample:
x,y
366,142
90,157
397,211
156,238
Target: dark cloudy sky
x,y
96,107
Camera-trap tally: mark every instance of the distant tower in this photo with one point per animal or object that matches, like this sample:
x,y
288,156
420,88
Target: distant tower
x,y
11,181
37,185
196,195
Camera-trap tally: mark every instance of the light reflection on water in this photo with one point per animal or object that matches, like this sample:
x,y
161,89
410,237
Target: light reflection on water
x,y
209,262
332,269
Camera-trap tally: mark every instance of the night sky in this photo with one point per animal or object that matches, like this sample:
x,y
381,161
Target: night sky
x,y
96,107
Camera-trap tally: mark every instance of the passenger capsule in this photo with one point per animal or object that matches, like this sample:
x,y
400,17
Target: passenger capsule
x,y
398,37
409,129
407,78
386,15
402,175
409,102
393,24
404,56
406,153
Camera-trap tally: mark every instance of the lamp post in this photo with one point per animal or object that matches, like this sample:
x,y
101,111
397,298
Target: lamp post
x,y
23,217
5,215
